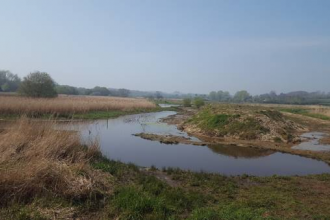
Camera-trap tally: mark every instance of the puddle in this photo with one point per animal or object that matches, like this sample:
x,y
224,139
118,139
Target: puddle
x,y
312,143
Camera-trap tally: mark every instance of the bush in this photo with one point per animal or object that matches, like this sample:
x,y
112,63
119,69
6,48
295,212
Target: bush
x,y
187,102
199,102
38,84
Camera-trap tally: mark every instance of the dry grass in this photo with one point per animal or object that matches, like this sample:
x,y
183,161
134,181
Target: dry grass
x,y
69,104
313,109
36,160
323,110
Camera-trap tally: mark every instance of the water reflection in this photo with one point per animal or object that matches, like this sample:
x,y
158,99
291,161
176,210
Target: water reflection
x,y
240,152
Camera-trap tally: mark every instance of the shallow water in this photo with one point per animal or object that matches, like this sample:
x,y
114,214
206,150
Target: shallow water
x,y
168,105
117,142
312,142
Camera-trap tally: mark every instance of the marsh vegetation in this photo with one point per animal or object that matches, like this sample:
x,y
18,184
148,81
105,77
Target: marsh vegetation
x,y
50,172
47,173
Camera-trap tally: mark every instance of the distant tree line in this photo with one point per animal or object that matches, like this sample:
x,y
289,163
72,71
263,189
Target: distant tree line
x,y
40,84
36,84
9,82
298,97
224,96
96,91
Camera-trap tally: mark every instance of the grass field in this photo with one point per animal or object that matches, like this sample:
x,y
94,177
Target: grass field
x,y
310,111
69,106
313,111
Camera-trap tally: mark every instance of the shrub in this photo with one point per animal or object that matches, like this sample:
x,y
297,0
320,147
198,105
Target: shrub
x,y
187,102
199,102
38,84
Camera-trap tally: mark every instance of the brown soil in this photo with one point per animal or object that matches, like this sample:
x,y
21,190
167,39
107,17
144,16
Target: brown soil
x,y
325,140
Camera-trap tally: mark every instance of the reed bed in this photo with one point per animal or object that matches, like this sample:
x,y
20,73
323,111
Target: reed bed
x,y
70,104
36,160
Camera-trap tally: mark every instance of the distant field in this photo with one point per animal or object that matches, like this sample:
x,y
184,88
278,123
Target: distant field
x,y
13,105
320,112
313,111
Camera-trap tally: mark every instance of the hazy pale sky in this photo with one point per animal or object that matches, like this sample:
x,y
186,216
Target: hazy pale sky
x,y
168,45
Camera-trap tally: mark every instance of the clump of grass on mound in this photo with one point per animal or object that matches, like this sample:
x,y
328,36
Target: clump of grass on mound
x,y
222,124
245,123
38,161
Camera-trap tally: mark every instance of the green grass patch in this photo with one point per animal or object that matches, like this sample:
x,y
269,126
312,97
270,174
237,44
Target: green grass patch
x,y
21,212
93,115
223,124
229,212
138,194
305,112
208,120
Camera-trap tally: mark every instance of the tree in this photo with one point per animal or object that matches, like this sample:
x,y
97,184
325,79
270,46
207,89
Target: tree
x,y
9,82
223,96
38,84
158,95
187,102
242,96
199,102
68,90
100,91
123,92
213,96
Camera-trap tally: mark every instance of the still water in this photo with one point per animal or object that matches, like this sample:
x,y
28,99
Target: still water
x,y
117,142
313,142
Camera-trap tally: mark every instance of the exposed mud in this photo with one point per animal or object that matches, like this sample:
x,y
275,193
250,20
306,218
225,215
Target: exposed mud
x,y
171,139
312,141
325,140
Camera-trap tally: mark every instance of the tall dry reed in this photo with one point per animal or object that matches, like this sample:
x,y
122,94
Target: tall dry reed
x,y
69,104
36,160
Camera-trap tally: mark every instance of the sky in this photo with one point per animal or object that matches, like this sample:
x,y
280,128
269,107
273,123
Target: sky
x,y
170,45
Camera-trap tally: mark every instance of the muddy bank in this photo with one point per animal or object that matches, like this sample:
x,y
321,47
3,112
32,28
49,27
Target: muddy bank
x,y
325,140
170,139
183,114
